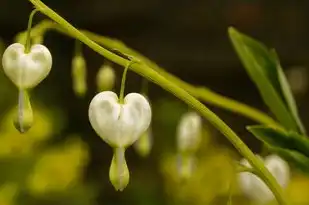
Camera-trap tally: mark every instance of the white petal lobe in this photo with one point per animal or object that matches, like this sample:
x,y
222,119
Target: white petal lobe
x,y
26,70
120,125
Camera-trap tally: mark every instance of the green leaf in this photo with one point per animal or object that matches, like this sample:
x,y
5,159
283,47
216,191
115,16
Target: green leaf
x,y
264,69
295,158
291,146
281,139
286,90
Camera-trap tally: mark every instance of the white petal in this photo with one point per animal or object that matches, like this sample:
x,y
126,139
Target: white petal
x,y
26,70
119,125
255,188
279,169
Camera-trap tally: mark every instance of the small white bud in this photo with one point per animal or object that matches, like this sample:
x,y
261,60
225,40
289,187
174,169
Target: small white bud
x,y
105,78
144,143
120,125
255,188
189,132
26,70
79,75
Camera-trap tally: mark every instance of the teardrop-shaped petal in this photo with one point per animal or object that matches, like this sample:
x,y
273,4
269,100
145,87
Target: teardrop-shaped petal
x,y
119,174
120,125
26,70
23,118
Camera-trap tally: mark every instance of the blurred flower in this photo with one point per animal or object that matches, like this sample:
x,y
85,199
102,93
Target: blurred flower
x,y
105,78
144,143
59,168
255,188
8,194
211,178
79,75
297,191
189,132
186,164
14,143
298,79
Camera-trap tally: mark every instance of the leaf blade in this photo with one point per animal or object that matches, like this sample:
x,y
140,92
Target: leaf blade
x,y
262,69
282,139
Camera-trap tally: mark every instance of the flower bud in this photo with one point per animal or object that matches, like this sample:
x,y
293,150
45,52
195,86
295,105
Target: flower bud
x,y
255,188
105,78
79,75
23,118
189,132
119,173
144,143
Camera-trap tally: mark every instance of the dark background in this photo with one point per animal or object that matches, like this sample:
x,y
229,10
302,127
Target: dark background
x,y
188,38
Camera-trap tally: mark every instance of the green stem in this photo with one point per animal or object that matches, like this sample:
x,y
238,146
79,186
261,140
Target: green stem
x,y
123,83
144,89
245,169
78,48
201,93
145,71
28,39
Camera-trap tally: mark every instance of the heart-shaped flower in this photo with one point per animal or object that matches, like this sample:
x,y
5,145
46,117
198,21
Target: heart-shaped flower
x,y
119,124
255,188
26,70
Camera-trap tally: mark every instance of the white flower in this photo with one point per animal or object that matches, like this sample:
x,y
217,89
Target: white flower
x,y
255,188
26,70
120,125
189,132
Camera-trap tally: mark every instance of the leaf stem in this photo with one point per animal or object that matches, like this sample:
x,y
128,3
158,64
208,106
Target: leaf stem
x,y
167,84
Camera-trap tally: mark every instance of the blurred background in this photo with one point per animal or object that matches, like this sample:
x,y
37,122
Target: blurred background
x,y
62,161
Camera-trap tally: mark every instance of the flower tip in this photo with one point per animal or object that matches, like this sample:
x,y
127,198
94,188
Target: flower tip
x,y
119,173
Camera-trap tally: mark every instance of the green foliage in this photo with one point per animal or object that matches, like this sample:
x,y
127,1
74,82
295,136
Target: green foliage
x,y
264,69
290,145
